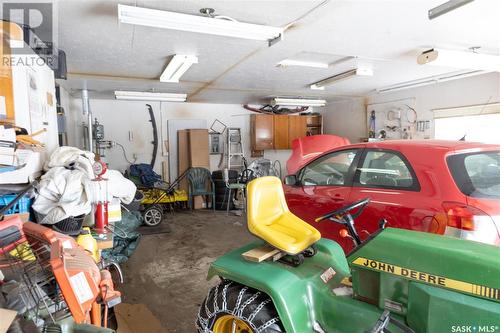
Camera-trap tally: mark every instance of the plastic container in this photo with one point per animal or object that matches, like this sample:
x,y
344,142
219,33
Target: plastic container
x,y
70,225
22,206
89,243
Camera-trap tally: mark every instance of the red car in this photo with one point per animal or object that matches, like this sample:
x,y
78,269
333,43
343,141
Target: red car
x,y
443,187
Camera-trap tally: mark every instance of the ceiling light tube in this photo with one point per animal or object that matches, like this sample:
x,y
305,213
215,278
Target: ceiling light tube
x,y
429,81
446,7
297,101
320,85
149,96
291,62
460,59
177,67
199,24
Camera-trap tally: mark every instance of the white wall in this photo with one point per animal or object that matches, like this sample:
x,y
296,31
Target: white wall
x,y
72,118
479,89
345,118
120,117
348,117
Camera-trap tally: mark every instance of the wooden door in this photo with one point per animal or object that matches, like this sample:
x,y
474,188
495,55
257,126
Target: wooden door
x,y
297,128
262,131
281,132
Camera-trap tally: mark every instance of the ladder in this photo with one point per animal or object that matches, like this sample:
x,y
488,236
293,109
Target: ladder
x,y
234,148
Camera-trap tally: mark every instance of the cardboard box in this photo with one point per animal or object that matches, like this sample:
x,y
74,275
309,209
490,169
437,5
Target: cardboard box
x,y
198,148
183,162
7,145
199,156
6,318
192,151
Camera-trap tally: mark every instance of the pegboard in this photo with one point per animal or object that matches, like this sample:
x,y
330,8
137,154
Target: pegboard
x,y
399,119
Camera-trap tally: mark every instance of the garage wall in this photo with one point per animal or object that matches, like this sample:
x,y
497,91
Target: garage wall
x,y
120,117
348,117
345,118
479,89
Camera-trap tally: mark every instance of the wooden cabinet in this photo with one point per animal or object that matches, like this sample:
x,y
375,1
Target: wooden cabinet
x,y
278,131
314,125
262,128
297,128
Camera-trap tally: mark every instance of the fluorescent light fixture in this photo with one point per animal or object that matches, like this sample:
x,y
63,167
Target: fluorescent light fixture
x,y
199,24
177,67
149,96
429,81
291,62
297,101
360,71
446,7
460,59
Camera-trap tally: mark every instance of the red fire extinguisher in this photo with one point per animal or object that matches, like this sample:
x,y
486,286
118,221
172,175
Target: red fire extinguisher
x,y
100,197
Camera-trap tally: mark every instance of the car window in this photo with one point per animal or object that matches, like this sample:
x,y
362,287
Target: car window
x,y
385,169
477,174
331,169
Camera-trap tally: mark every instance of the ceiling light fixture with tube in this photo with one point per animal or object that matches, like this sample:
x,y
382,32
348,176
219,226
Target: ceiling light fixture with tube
x,y
359,71
429,81
149,96
460,59
177,66
212,25
446,7
288,101
301,63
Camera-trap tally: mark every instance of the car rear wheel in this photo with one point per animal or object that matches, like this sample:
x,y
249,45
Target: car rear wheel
x,y
231,307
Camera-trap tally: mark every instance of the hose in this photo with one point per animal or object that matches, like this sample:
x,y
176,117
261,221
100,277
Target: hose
x,y
125,153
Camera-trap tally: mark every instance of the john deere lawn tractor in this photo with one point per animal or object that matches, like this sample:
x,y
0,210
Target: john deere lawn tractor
x,y
393,281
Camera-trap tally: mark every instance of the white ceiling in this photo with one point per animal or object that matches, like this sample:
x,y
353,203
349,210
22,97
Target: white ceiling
x,y
388,34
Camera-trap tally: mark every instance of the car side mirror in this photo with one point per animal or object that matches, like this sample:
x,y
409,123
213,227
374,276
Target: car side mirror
x,y
291,180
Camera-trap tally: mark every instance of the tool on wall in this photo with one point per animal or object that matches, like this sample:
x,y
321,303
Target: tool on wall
x,y
371,130
155,134
423,125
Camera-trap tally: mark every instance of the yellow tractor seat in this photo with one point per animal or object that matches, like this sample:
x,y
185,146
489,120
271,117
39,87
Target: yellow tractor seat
x,y
269,218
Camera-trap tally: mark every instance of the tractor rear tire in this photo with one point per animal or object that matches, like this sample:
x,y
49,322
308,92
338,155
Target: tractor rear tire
x,y
252,311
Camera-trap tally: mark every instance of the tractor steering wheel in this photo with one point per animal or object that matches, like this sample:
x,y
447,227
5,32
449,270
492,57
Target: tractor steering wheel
x,y
337,215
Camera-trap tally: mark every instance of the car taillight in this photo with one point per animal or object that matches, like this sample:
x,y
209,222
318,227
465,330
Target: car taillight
x,y
468,222
461,216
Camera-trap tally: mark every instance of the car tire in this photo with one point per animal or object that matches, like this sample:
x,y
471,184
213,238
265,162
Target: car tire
x,y
252,310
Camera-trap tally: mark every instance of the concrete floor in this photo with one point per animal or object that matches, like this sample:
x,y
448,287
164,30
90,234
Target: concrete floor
x,y
167,272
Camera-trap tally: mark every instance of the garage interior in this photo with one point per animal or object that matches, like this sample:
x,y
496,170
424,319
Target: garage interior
x,y
250,166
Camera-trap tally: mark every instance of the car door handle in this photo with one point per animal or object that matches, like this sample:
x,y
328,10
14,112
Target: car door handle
x,y
338,198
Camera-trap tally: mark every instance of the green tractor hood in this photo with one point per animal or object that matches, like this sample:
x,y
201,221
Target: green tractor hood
x,y
462,266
